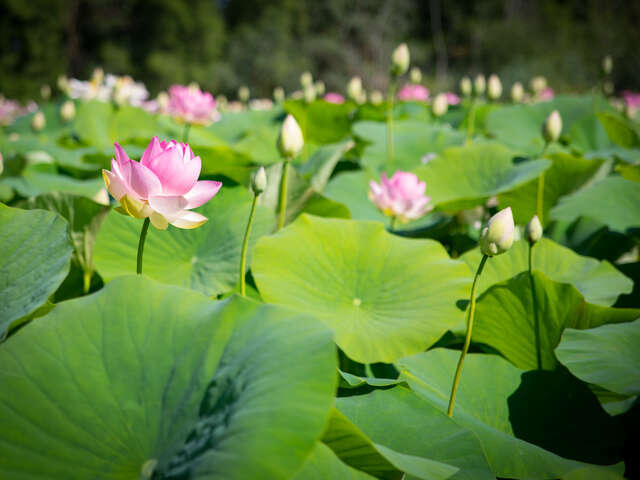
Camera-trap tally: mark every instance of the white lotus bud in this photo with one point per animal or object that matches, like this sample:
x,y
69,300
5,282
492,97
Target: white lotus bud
x,y
415,75
290,141
38,121
400,60
309,93
306,79
607,65
320,88
68,111
465,86
517,92
259,181
278,94
376,97
538,84
244,94
552,127
533,230
63,83
440,105
479,84
498,234
494,88
354,88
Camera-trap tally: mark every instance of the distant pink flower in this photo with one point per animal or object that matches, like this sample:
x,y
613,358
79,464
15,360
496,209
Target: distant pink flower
x,y
333,97
631,99
452,98
163,185
192,105
546,94
418,93
401,196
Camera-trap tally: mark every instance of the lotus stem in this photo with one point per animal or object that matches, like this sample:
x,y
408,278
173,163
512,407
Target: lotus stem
x,y
467,340
245,246
534,301
392,92
540,196
143,237
283,192
185,132
471,121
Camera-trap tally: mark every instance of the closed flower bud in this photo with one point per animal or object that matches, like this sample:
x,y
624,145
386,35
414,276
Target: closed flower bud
x,y
354,88
494,88
306,79
278,94
38,121
479,84
517,92
415,75
533,230
465,86
538,84
244,94
290,141
400,60
607,65
440,105
497,235
320,88
376,97
68,111
259,181
552,127
309,93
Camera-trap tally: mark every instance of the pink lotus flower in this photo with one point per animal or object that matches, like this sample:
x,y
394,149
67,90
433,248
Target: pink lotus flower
x,y
192,105
418,93
631,99
333,97
401,196
546,94
163,185
452,98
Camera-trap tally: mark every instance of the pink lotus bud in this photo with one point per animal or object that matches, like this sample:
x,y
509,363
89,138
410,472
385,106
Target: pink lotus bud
x,y
546,94
452,98
163,185
417,93
192,105
332,97
401,196
533,230
497,235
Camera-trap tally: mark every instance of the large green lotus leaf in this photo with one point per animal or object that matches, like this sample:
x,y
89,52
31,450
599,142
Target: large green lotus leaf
x,y
620,130
233,126
323,464
566,174
588,135
473,173
353,276
520,126
412,141
508,409
206,259
402,426
321,122
143,377
607,356
598,281
613,201
54,126
35,250
224,160
505,317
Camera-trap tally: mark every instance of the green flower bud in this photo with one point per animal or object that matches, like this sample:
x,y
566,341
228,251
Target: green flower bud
x,y
440,105
415,75
552,127
400,60
498,234
533,230
259,181
290,141
465,86
517,92
494,89
479,85
38,121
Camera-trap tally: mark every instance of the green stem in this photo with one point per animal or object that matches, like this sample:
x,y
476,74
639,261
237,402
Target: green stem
x,y
283,192
143,237
245,246
471,121
86,281
368,371
467,340
185,133
540,196
392,93
392,225
536,319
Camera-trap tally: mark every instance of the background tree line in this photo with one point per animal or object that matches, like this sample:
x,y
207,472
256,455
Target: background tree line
x,y
223,44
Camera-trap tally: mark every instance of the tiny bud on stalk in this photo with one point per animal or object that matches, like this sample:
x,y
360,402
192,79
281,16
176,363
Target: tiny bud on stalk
x,y
415,75
517,92
259,181
290,141
306,79
479,85
498,234
38,121
440,105
400,60
495,87
354,88
533,230
552,127
465,86
68,111
278,94
320,88
244,94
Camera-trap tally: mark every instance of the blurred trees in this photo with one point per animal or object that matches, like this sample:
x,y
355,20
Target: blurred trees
x,y
223,44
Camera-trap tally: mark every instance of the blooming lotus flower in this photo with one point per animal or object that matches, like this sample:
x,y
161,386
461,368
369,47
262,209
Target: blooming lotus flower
x,y
452,98
162,186
631,99
402,196
192,105
418,93
333,97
